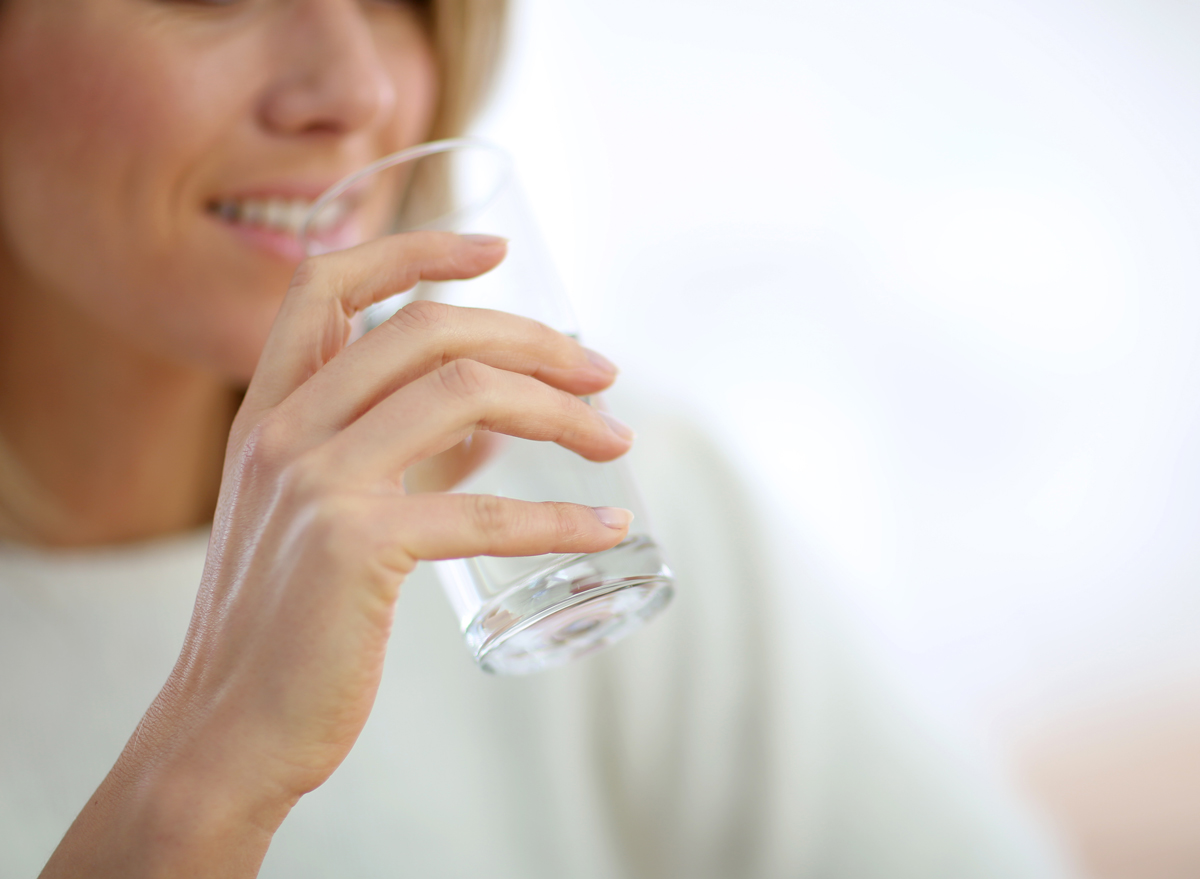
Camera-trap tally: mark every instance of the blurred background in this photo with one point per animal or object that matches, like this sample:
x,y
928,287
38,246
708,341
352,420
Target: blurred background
x,y
929,271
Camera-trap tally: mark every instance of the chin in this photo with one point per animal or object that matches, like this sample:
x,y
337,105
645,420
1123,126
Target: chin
x,y
234,351
219,320
216,336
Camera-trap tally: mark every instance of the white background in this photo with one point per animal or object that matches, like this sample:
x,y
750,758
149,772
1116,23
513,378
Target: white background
x,y
930,269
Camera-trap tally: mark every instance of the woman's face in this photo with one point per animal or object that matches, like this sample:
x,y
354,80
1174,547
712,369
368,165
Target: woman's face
x,y
155,154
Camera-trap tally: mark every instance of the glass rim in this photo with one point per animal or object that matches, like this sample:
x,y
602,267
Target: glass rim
x,y
413,153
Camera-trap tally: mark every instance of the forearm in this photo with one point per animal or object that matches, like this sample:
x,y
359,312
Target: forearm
x,y
160,814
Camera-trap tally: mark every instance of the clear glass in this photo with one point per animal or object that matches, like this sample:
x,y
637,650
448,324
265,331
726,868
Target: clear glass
x,y
518,615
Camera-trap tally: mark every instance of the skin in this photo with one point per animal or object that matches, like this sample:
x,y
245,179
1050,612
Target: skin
x,y
144,320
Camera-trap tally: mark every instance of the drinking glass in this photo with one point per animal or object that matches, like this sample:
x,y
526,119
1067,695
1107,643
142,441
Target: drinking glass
x,y
524,614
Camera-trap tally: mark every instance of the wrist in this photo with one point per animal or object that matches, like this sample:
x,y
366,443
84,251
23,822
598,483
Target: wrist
x,y
200,782
185,814
174,806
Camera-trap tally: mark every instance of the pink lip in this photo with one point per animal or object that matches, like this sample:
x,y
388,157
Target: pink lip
x,y
284,245
278,244
287,247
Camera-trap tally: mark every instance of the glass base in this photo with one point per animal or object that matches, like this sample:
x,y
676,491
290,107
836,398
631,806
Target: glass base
x,y
578,606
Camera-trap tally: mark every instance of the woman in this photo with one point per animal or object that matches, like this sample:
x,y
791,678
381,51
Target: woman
x,y
164,352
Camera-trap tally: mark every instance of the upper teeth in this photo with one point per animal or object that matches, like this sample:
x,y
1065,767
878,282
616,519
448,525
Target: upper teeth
x,y
279,214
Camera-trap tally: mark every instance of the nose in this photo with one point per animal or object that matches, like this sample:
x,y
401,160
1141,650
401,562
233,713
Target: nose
x,y
331,77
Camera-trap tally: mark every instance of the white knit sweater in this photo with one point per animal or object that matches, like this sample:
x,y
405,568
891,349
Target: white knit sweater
x,y
739,735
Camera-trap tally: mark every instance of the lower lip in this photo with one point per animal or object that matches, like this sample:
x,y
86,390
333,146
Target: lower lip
x,y
278,244
287,247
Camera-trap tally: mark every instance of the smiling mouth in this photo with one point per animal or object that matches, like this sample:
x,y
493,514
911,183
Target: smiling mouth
x,y
282,215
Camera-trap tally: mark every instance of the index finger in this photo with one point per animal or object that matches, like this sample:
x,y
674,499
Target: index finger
x,y
313,323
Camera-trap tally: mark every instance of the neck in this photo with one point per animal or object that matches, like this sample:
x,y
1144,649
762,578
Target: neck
x,y
100,442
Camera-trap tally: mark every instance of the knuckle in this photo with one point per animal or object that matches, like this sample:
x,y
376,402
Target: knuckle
x,y
568,404
332,524
422,316
329,514
321,278
570,417
465,378
548,336
565,523
306,480
490,514
309,272
267,447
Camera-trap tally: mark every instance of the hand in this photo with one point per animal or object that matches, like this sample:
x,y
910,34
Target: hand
x,y
314,534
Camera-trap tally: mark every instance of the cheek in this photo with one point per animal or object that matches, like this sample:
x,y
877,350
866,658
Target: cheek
x,y
413,70
92,120
102,126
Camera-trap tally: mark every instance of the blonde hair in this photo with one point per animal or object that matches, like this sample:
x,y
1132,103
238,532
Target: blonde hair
x,y
468,41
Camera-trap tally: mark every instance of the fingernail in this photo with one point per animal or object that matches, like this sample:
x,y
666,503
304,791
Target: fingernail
x,y
601,362
614,517
617,426
484,240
